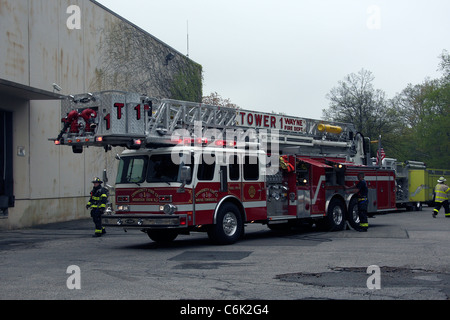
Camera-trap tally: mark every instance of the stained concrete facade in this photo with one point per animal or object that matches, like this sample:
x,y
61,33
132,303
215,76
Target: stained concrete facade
x,y
58,42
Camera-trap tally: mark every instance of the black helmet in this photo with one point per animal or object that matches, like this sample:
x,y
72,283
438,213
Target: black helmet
x,y
97,180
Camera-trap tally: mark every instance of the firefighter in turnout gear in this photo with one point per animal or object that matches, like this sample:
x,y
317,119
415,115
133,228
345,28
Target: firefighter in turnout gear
x,y
97,204
363,201
441,197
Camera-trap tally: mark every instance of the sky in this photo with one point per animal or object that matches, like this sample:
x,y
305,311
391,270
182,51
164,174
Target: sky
x,y
286,55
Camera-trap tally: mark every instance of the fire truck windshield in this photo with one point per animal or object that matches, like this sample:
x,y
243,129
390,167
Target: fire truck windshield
x,y
132,170
157,168
162,169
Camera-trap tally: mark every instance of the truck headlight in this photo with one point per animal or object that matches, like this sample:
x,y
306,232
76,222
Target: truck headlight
x,y
123,207
168,208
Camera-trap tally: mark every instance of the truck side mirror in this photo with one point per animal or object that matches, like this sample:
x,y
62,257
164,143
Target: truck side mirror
x,y
185,175
105,180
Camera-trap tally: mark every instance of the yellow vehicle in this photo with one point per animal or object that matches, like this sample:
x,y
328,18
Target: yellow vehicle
x,y
415,184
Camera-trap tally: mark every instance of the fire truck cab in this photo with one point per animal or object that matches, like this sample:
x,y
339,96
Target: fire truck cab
x,y
164,192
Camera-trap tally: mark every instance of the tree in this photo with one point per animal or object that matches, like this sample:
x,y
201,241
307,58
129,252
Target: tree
x,y
356,101
413,124
424,112
215,99
444,65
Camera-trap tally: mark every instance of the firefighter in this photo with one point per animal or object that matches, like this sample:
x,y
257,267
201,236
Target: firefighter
x,y
97,204
363,201
441,197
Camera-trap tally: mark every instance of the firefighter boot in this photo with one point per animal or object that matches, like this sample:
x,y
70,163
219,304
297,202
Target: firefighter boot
x,y
97,233
435,213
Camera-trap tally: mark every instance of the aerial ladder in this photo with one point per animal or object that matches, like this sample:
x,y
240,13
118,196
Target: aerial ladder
x,y
122,119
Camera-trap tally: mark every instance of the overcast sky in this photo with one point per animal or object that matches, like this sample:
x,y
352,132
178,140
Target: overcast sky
x,y
286,55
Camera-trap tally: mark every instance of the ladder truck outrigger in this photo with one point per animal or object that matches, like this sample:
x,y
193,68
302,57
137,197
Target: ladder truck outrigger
x,y
195,167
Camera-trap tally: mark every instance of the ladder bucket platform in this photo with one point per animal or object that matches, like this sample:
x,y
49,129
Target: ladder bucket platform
x,y
110,118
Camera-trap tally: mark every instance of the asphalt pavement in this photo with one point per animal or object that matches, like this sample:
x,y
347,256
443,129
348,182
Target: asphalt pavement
x,y
403,256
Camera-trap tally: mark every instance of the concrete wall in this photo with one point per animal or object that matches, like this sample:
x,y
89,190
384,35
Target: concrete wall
x,y
37,49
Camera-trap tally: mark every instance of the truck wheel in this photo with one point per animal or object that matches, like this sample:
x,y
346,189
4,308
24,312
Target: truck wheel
x,y
162,236
229,226
352,214
335,219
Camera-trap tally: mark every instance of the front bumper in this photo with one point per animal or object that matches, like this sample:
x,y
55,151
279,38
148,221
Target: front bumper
x,y
145,221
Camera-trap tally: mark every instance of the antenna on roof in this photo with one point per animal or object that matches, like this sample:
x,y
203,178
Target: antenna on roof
x,y
187,25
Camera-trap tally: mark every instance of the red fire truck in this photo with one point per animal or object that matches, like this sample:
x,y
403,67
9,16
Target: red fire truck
x,y
193,167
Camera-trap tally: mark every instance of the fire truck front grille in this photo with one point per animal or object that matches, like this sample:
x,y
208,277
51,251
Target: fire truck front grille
x,y
145,221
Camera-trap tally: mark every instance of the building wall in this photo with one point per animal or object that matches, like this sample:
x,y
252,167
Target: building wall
x,y
38,49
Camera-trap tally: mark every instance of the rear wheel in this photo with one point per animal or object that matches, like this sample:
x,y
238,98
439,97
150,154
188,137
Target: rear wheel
x,y
352,214
229,227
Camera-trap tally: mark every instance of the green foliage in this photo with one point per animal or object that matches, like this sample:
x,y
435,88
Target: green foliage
x,y
133,60
187,84
424,131
431,139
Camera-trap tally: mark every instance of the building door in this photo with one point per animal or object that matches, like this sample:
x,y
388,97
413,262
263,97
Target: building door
x,y
6,162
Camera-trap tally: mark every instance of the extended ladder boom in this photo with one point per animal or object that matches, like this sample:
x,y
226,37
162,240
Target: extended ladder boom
x,y
115,118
